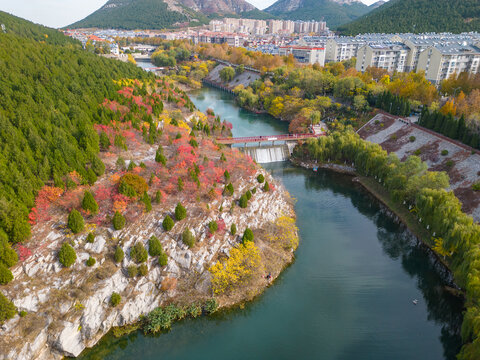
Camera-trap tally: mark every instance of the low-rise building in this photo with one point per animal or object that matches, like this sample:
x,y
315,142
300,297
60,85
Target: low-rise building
x,y
304,54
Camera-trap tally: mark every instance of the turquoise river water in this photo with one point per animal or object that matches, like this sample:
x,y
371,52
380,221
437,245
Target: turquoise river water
x,y
348,295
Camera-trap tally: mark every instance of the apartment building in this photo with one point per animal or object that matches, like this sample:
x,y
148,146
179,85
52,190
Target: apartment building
x,y
440,61
342,48
388,56
304,54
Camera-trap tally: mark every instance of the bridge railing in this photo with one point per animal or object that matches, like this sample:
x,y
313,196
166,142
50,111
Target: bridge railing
x,y
268,138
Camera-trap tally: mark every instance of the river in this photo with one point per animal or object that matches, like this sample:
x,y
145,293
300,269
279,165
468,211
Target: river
x,y
348,295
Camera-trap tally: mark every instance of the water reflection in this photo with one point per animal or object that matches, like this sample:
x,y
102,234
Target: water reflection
x,y
444,308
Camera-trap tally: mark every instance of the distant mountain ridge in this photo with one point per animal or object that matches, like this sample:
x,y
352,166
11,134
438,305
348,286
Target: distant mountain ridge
x,y
334,12
159,14
400,16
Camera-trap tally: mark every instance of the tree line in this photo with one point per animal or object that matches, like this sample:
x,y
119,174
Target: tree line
x,y
449,126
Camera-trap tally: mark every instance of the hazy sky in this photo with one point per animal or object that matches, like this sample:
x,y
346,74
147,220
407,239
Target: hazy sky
x,y
58,13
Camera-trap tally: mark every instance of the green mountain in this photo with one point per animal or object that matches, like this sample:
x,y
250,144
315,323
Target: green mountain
x,y
50,94
334,12
139,14
400,16
157,14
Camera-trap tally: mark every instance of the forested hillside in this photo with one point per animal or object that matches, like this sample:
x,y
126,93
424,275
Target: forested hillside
x,y
139,14
401,16
332,12
50,94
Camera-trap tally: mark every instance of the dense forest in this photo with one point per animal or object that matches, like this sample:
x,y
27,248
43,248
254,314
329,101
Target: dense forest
x,y
50,94
140,14
417,16
333,13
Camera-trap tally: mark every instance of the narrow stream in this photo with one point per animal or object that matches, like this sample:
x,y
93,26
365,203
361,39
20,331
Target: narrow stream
x,y
348,295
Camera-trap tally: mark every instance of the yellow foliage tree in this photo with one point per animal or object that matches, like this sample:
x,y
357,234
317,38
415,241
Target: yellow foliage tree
x,y
244,261
286,233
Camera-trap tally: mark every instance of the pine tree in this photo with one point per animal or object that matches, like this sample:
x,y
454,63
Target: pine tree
x,y
89,203
75,221
118,221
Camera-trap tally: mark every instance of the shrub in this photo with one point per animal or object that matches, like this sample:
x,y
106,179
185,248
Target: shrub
x,y
75,221
120,163
89,203
163,259
67,255
180,212
119,254
243,202
233,229
23,313
154,246
143,270
226,174
444,152
5,275
266,187
160,158
91,237
188,238
7,309
115,299
194,310
138,253
118,221
450,164
211,305
412,138
158,197
417,152
248,194
476,187
127,190
91,176
148,203
168,223
247,235
180,184
132,271
260,178
91,261
194,143
8,256
229,189
131,165
104,141
98,166
212,226
254,190
137,182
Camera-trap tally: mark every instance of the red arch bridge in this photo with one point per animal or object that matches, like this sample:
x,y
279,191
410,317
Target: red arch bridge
x,y
267,138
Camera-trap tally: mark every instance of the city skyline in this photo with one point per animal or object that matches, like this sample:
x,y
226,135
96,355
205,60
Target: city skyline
x,y
60,13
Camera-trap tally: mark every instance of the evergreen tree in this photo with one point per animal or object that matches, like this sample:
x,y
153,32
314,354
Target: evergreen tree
x,y
118,221
180,212
75,221
67,255
89,203
168,223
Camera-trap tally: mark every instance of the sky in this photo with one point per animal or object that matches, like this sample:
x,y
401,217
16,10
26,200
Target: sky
x,y
59,13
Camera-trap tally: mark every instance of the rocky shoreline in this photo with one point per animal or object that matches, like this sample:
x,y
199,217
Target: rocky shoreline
x,y
78,325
